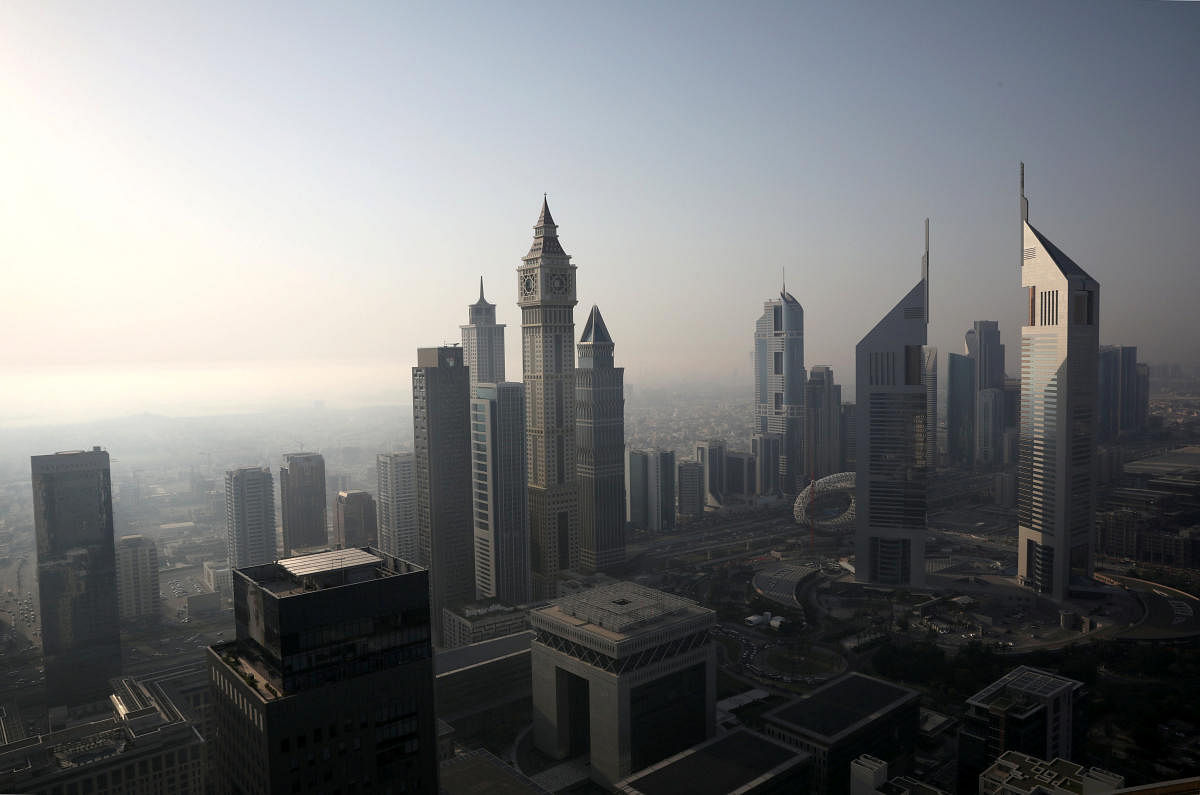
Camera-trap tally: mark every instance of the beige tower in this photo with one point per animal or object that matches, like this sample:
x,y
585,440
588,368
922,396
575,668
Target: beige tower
x,y
546,295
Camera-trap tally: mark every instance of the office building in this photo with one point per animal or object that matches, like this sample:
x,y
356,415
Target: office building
x,y
480,621
302,495
624,673
329,683
483,343
249,517
397,504
137,579
689,477
650,490
500,489
711,456
984,349
890,500
546,295
442,443
600,442
989,428
765,449
1028,710
960,410
1059,350
1123,392
930,375
77,574
740,472
1015,773
840,721
218,577
823,425
849,437
148,743
355,520
779,381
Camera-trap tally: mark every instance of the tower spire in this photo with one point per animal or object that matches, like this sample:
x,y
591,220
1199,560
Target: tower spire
x,y
925,270
481,298
1024,201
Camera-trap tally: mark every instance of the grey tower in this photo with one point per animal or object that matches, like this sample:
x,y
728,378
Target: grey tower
x,y
822,420
302,495
960,410
355,520
892,438
600,440
442,441
546,295
500,493
396,479
77,574
249,516
483,343
1059,350
779,383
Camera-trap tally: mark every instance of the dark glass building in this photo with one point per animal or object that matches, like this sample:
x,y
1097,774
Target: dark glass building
x,y
302,495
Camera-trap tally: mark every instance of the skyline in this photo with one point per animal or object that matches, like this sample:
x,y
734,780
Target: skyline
x,y
347,177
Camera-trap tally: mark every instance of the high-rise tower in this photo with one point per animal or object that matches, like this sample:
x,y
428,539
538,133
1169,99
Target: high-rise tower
x,y
1059,352
442,443
779,383
823,415
396,479
892,440
249,516
600,439
483,343
546,295
302,494
77,574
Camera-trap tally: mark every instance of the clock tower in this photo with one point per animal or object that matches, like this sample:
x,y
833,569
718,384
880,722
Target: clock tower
x,y
546,295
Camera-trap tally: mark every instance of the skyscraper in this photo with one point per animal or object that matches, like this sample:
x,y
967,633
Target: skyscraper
x,y
355,521
931,407
849,437
249,516
822,420
329,683
302,493
765,449
779,384
650,490
442,440
77,574
989,428
1059,350
397,504
983,346
500,491
483,343
960,410
137,578
600,442
711,457
546,295
892,439
689,481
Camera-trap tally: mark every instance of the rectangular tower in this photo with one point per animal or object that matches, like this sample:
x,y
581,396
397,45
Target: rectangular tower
x,y
600,442
779,383
823,419
355,520
329,684
689,481
483,343
302,493
711,457
500,491
442,440
397,503
890,497
546,295
249,516
137,578
77,574
960,410
1059,352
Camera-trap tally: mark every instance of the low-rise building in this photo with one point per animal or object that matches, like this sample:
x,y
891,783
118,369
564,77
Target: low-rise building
x,y
482,621
1015,773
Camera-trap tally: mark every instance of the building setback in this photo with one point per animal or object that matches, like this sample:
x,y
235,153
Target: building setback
x,y
1056,497
77,574
330,680
397,504
249,516
302,495
600,442
890,500
442,440
546,296
483,343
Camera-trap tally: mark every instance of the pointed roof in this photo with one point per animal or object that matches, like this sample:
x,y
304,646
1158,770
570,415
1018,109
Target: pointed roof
x,y
595,332
482,301
1064,263
545,219
545,235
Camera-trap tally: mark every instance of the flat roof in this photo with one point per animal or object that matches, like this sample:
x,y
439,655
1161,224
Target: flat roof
x,y
1025,680
842,705
719,766
620,609
333,560
481,773
484,651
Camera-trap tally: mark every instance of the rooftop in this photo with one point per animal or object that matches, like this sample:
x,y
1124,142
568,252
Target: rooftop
x,y
1024,680
842,706
718,766
321,570
481,773
621,609
484,651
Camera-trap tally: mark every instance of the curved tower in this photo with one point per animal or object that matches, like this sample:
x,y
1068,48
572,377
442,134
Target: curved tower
x,y
546,295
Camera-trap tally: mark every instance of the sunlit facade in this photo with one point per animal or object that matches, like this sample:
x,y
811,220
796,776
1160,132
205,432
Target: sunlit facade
x,y
483,343
1059,351
779,382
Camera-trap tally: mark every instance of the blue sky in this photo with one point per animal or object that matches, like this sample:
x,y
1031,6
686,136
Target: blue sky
x,y
215,205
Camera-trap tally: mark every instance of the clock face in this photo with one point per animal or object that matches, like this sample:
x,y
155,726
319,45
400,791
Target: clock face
x,y
527,285
558,283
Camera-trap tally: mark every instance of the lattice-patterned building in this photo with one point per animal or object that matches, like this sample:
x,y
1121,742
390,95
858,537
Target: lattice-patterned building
x,y
625,673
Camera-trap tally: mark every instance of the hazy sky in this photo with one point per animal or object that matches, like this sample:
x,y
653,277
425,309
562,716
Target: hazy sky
x,y
206,206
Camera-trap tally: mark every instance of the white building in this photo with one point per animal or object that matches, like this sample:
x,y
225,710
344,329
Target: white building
x,y
1059,352
892,441
483,343
397,504
779,381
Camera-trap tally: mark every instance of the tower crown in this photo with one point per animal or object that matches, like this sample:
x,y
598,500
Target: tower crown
x,y
545,235
596,345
